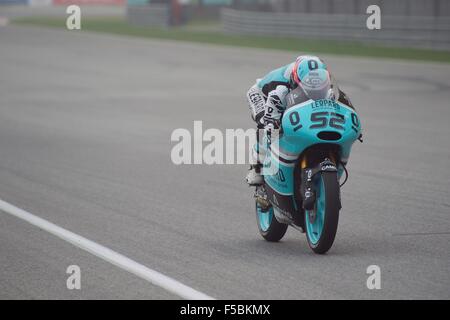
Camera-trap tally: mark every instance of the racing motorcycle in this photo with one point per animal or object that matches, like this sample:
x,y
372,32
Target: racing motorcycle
x,y
302,170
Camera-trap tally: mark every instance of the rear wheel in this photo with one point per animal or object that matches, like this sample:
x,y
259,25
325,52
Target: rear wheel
x,y
321,222
268,226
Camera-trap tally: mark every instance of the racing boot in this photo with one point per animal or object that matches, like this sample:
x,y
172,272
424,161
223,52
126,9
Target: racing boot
x,y
254,176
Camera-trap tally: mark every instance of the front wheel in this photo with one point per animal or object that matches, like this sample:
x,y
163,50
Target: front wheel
x,y
321,222
268,226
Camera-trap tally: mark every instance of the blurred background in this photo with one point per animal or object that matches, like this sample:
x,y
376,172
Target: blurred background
x,y
423,24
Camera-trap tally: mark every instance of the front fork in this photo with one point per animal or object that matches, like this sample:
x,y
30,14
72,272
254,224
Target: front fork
x,y
308,170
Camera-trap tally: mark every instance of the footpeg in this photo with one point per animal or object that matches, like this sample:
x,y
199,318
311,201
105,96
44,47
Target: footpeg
x,y
264,204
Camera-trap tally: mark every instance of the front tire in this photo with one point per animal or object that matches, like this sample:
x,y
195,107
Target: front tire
x,y
321,222
268,226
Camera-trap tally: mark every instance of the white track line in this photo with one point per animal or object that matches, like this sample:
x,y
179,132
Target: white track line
x,y
109,255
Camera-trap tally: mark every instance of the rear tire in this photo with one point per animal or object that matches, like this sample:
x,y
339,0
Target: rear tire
x,y
268,226
321,231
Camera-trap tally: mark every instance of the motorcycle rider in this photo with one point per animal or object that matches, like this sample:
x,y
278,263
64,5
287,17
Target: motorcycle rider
x,y
267,98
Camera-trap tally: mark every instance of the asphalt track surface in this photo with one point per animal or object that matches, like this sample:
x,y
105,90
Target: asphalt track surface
x,y
85,126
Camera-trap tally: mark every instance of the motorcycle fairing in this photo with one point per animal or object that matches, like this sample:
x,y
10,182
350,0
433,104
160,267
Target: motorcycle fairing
x,y
303,125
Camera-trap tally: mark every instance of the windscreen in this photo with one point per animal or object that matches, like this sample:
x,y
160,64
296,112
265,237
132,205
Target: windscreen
x,y
317,85
299,94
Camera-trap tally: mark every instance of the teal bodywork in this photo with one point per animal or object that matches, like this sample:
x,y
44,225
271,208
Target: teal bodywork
x,y
302,126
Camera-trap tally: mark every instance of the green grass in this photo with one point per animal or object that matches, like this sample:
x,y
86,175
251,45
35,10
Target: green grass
x,y
194,33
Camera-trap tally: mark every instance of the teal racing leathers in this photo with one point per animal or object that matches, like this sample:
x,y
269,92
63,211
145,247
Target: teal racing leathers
x,y
266,98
